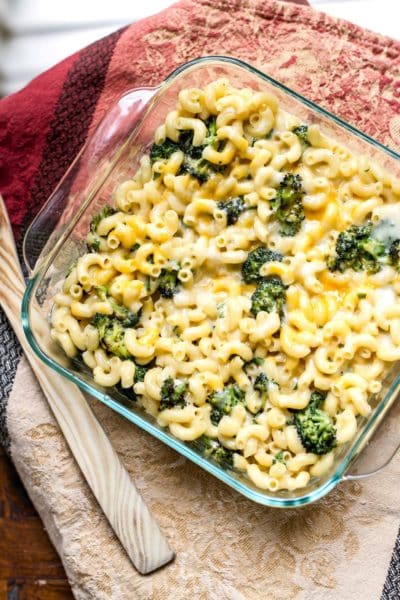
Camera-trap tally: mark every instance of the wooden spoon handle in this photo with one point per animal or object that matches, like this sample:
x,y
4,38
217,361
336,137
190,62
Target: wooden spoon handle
x,y
109,481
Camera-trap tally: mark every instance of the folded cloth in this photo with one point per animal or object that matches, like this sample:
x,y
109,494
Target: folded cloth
x,y
227,547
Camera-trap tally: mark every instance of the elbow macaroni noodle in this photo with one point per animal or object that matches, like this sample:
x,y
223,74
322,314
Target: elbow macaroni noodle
x,y
339,332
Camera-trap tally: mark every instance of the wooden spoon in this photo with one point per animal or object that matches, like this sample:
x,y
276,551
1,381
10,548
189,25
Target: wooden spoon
x,y
109,481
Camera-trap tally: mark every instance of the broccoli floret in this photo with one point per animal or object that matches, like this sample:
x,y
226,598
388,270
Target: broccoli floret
x,y
173,393
278,458
223,456
269,295
302,133
168,282
211,138
255,260
211,448
123,314
140,372
262,383
315,427
233,208
93,242
222,402
287,204
163,151
102,292
357,249
111,334
106,211
101,322
186,139
256,360
199,168
394,254
317,399
193,163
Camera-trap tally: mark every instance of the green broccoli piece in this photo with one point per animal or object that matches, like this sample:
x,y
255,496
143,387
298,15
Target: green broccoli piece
x,y
140,372
211,138
287,204
173,393
163,151
357,249
222,402
134,248
186,139
233,208
269,295
394,254
193,163
255,260
123,314
317,399
211,448
106,211
256,361
168,282
223,456
302,133
315,427
93,242
102,292
278,458
200,169
111,334
262,383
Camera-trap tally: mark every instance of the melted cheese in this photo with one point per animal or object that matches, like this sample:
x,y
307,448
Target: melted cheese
x,y
387,218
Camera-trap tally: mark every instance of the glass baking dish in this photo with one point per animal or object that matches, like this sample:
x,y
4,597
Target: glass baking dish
x,y
57,237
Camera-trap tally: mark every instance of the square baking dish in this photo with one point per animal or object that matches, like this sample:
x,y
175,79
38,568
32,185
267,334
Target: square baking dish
x,y
57,237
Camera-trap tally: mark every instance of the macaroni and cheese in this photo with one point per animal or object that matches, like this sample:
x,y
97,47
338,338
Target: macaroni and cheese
x,y
244,287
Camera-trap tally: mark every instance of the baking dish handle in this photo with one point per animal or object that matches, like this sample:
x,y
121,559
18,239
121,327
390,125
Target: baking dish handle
x,y
92,162
380,449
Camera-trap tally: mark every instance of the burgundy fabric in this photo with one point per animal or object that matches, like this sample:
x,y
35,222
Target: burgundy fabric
x,y
24,124
43,126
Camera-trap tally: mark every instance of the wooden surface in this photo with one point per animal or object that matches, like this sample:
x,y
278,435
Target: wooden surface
x,y
104,472
29,566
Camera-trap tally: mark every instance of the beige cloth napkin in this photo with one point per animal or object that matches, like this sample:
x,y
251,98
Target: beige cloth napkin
x,y
228,548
